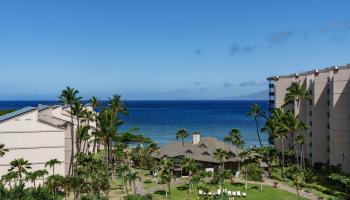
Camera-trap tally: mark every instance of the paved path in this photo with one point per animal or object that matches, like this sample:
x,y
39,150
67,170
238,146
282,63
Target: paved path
x,y
161,187
282,186
267,182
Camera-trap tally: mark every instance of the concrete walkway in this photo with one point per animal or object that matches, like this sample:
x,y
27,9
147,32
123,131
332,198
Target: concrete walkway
x,y
267,182
282,186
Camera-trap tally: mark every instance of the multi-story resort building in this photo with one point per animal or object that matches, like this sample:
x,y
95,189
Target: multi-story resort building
x,y
38,134
327,114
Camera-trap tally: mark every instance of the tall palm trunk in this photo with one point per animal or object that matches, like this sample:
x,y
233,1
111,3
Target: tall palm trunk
x,y
257,130
282,156
106,156
294,148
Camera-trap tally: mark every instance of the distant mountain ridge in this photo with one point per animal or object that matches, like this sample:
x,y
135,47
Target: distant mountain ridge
x,y
262,95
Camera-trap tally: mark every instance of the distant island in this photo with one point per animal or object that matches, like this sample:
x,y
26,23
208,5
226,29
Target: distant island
x,y
261,95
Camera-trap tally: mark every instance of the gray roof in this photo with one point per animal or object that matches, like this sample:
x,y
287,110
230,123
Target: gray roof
x,y
43,107
203,151
327,69
16,113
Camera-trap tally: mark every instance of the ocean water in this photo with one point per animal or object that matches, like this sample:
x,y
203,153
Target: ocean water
x,y
160,120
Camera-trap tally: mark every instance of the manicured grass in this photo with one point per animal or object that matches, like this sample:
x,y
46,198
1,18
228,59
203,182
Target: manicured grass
x,y
253,193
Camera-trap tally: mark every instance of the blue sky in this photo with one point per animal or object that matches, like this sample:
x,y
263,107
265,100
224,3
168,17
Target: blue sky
x,y
183,49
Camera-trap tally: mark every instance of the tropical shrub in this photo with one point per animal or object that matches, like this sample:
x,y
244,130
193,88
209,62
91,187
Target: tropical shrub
x,y
93,197
254,172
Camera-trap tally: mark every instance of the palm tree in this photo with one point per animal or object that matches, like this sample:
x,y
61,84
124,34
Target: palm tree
x,y
235,138
293,125
221,155
78,111
20,166
123,171
166,167
3,150
191,166
300,139
8,177
244,156
107,122
95,103
298,181
166,177
51,163
117,106
132,177
32,177
68,97
182,133
256,112
41,174
278,129
295,93
84,136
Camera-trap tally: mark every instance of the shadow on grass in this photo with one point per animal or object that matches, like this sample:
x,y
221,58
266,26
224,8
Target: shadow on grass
x,y
160,192
182,187
237,184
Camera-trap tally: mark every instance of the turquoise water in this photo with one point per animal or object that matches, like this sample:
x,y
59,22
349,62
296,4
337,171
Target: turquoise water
x,y
160,120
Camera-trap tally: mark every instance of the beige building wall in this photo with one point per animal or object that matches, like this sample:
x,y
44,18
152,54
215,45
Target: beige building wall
x,y
32,140
340,119
328,114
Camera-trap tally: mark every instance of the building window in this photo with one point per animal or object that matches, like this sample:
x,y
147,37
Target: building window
x,y
310,112
328,79
328,126
328,103
310,102
310,123
328,114
328,90
310,92
310,154
328,137
310,144
310,133
328,149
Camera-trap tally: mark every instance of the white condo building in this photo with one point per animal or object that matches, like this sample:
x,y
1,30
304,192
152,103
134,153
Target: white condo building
x,y
38,134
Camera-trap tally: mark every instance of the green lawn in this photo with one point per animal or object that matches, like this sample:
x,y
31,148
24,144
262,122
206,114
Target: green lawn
x,y
253,193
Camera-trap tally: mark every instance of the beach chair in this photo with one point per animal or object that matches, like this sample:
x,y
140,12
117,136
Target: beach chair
x,y
244,194
233,193
225,191
200,192
218,192
210,193
229,193
238,193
